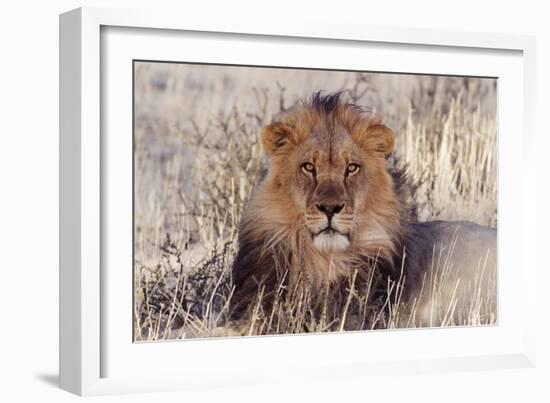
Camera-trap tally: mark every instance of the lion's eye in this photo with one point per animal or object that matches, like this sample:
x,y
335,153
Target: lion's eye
x,y
308,168
352,169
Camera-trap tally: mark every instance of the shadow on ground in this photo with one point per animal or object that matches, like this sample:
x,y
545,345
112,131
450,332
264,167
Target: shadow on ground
x,y
49,379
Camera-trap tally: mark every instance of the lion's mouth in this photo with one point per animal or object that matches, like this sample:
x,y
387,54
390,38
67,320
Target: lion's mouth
x,y
329,231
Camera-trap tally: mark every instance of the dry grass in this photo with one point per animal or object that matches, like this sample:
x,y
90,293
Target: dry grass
x,y
197,160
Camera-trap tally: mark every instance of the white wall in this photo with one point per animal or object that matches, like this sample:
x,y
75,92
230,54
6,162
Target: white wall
x,y
29,186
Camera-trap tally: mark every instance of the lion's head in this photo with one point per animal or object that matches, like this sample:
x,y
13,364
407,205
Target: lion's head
x,y
329,160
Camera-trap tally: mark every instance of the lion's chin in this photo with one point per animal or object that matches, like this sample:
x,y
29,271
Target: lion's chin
x,y
330,242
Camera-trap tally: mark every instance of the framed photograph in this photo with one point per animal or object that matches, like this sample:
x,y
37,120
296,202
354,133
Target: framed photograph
x,y
237,198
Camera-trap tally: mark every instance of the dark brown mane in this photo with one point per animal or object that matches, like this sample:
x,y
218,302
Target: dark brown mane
x,y
326,104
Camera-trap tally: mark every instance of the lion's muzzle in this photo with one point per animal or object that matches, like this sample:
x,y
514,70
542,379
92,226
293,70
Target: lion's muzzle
x,y
330,226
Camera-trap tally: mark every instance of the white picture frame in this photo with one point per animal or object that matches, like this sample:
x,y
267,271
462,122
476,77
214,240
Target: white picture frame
x,y
92,344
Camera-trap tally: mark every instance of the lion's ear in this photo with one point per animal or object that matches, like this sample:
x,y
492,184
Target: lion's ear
x,y
378,138
278,138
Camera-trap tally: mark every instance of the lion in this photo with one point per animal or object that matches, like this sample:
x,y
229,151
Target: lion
x,y
333,203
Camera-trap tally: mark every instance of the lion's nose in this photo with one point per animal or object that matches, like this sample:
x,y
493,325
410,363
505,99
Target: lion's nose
x,y
330,209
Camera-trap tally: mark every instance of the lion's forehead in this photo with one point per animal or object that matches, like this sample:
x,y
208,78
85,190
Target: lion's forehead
x,y
328,134
337,152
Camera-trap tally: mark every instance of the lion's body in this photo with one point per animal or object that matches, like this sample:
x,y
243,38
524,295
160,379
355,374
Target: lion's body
x,y
332,207
457,272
